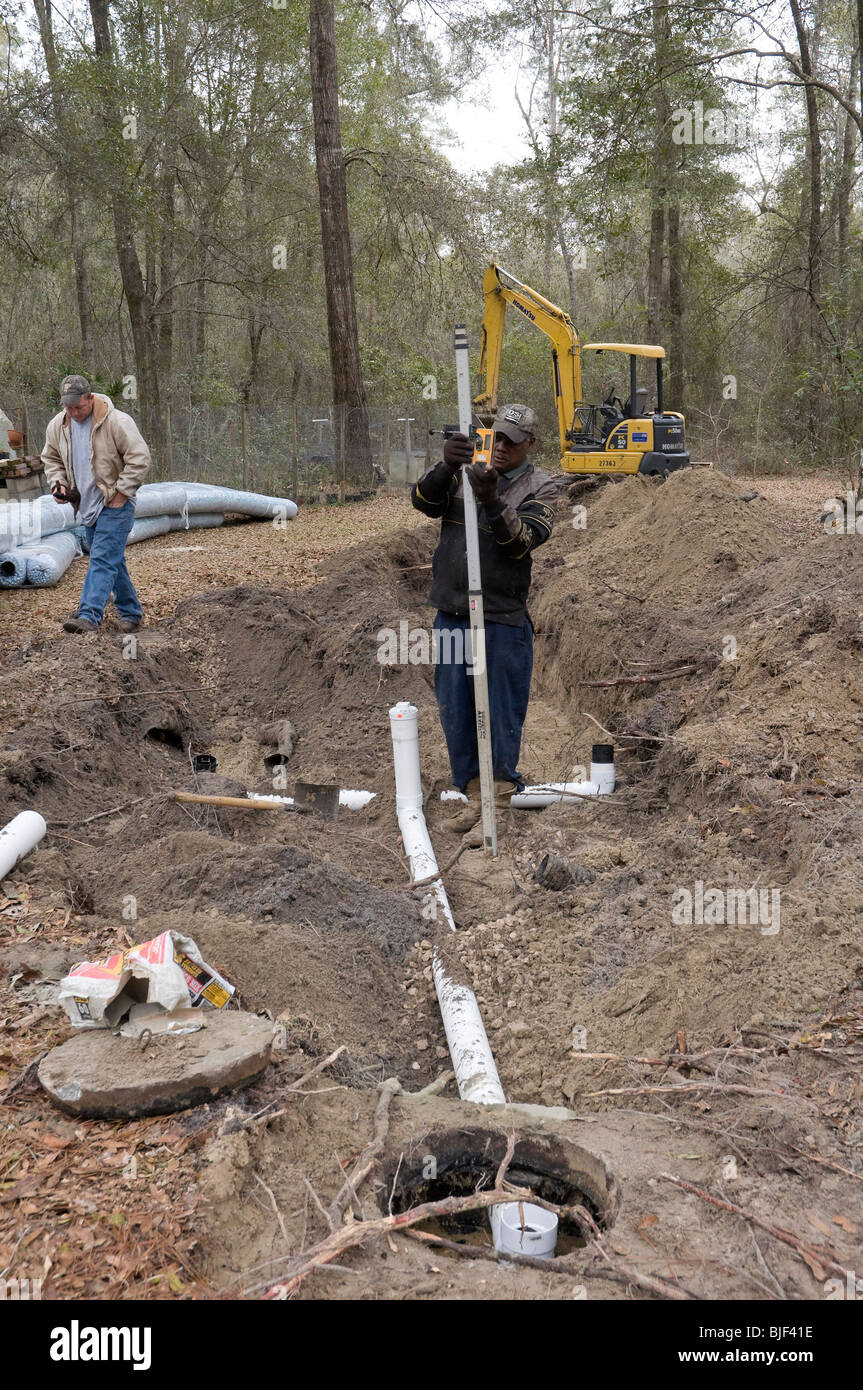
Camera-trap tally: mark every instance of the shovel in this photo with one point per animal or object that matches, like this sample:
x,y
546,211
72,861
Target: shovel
x,y
318,797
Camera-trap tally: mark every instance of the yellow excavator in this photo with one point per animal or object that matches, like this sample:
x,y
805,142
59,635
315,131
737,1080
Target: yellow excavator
x,y
614,437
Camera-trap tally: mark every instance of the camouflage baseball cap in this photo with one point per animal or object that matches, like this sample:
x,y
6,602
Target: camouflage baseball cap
x,y
72,388
517,422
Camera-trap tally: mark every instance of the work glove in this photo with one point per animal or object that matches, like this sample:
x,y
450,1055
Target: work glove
x,y
457,450
484,483
62,493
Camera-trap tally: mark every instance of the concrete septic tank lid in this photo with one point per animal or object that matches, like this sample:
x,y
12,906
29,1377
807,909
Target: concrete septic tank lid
x,y
105,1077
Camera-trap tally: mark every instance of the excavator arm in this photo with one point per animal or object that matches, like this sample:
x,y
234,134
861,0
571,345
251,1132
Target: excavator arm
x,y
500,289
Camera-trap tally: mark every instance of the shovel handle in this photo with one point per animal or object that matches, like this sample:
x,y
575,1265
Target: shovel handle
x,y
238,802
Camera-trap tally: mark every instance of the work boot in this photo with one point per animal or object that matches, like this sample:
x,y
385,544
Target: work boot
x,y
467,817
79,625
469,820
129,625
502,792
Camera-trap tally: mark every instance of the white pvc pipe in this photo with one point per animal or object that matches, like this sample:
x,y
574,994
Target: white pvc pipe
x,y
348,797
473,1063
17,838
472,1059
600,783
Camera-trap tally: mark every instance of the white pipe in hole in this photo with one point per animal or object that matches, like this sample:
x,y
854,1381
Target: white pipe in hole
x,y
473,1063
17,838
600,783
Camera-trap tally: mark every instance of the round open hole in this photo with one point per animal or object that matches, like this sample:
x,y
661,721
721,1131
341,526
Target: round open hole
x,y
161,734
457,1162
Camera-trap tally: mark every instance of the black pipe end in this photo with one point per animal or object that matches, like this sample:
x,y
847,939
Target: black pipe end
x,y
602,753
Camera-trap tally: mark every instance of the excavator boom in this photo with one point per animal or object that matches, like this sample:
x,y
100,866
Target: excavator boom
x,y
500,289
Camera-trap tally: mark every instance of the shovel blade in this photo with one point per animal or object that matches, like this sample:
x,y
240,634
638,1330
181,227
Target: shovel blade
x,y
317,797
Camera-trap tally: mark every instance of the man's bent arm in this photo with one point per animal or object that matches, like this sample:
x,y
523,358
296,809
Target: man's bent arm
x,y
55,471
135,455
434,491
521,529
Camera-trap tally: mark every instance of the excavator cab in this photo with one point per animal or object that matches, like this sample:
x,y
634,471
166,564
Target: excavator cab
x,y
652,440
615,436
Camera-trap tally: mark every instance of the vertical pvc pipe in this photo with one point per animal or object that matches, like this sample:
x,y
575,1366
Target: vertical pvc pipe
x,y
17,838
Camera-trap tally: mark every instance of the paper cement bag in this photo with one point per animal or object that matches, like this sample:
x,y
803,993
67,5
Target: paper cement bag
x,y
169,971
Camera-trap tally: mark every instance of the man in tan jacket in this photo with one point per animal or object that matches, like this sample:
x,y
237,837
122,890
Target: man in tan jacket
x,y
96,458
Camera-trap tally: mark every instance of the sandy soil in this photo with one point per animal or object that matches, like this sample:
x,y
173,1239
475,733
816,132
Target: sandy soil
x,y
716,643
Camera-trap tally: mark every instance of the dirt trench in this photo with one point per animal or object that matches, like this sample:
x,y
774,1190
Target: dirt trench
x,y
721,659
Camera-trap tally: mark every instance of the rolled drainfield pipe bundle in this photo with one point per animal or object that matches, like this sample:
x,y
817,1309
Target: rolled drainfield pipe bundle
x,y
29,526
31,519
207,497
48,560
13,568
150,526
159,499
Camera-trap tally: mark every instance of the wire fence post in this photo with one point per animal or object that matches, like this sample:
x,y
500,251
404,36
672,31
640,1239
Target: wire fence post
x,y
169,442
295,453
244,411
341,462
385,445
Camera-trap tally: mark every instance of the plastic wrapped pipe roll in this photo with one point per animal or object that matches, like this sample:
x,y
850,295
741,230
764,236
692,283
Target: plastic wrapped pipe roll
x,y
160,525
40,563
13,568
48,560
33,519
159,499
150,526
203,497
207,497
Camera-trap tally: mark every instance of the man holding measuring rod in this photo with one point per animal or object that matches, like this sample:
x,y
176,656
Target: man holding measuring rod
x,y
515,503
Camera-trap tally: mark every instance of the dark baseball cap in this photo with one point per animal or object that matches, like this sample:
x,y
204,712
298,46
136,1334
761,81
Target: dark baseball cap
x,y
72,388
517,422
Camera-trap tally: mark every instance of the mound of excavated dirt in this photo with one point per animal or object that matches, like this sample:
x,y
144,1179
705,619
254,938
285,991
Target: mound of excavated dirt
x,y
298,935
686,575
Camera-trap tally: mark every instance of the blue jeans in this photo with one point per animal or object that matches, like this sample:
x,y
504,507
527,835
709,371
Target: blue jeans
x,y
107,572
509,662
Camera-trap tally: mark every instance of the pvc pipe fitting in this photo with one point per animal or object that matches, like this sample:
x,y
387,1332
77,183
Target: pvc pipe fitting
x,y
537,1236
404,728
600,783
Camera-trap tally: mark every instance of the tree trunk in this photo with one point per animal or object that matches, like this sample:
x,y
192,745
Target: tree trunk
x,y
67,134
814,250
349,395
659,176
846,183
675,307
122,203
